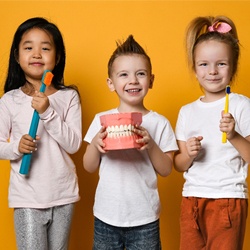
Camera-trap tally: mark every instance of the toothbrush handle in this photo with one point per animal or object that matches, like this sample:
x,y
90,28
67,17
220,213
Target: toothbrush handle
x,y
224,137
25,165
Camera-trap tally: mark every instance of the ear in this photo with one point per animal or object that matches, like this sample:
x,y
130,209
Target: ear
x,y
110,85
152,78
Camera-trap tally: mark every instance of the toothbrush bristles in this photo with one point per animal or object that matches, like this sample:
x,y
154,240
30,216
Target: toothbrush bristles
x,y
228,89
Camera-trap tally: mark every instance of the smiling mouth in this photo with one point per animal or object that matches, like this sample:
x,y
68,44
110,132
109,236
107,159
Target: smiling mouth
x,y
133,90
214,79
36,63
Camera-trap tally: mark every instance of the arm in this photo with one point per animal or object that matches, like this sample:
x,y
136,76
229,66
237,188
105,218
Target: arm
x,y
92,156
63,122
8,149
161,161
242,145
183,158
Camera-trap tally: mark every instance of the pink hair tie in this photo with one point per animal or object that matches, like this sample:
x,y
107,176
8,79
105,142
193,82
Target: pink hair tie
x,y
220,27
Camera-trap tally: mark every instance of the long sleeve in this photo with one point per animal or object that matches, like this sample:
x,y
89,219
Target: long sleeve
x,y
64,125
8,149
52,179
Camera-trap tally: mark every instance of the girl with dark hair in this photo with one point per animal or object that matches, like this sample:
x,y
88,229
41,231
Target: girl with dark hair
x,y
43,201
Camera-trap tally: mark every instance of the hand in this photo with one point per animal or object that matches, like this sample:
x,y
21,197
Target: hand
x,y
227,125
27,144
97,141
146,141
40,102
193,146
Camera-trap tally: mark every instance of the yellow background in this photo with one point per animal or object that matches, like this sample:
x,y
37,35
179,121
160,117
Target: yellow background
x,y
90,29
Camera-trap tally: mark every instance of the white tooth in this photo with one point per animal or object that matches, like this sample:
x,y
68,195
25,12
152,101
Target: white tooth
x,y
108,130
125,130
129,129
112,130
116,131
120,131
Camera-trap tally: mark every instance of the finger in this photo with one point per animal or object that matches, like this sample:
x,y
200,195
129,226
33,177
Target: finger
x,y
140,132
102,129
102,150
38,137
28,149
27,137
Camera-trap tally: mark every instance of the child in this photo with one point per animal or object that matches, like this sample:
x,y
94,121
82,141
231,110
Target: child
x,y
214,204
127,203
43,201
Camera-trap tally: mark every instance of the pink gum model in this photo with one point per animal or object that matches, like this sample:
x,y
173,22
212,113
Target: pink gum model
x,y
120,130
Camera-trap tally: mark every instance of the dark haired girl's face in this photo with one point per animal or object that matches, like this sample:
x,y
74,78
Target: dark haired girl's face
x,y
37,53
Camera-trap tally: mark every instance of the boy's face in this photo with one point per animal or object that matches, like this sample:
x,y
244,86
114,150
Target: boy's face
x,y
131,78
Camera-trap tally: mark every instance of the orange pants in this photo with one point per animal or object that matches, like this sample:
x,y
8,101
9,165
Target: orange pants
x,y
212,224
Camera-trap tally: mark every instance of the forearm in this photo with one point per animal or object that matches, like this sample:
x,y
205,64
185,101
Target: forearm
x,y
91,159
161,161
182,162
9,151
242,145
67,133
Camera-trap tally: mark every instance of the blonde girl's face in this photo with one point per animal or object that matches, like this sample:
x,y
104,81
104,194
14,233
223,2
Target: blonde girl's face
x,y
213,68
131,78
37,52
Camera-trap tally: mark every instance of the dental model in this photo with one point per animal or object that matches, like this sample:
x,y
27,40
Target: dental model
x,y
120,130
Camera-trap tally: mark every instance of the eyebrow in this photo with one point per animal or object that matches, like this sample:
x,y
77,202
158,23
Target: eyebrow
x,y
45,42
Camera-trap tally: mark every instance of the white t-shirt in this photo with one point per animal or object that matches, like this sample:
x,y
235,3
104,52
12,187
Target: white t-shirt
x,y
52,178
218,171
127,193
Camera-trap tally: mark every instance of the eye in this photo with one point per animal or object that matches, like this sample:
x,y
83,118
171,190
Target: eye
x,y
202,64
141,73
123,74
45,49
222,64
28,48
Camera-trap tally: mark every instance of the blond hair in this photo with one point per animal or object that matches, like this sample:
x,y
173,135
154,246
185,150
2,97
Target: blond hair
x,y
198,32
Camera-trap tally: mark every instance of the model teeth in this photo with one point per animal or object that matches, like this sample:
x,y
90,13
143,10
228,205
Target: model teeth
x,y
120,131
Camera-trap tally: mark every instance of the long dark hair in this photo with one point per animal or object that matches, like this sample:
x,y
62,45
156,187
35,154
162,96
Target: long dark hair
x,y
15,76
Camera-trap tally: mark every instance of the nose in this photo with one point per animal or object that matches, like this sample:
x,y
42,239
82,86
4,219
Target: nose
x,y
134,79
213,70
37,54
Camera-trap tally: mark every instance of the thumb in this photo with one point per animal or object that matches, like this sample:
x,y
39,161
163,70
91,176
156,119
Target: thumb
x,y
200,138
